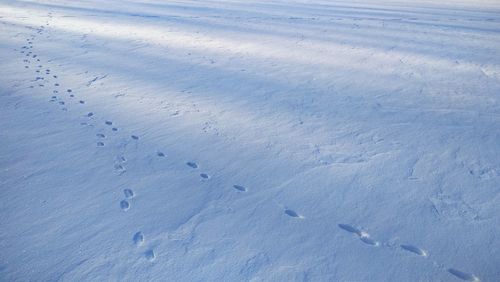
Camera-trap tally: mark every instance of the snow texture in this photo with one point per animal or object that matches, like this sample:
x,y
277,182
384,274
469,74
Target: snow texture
x,y
148,140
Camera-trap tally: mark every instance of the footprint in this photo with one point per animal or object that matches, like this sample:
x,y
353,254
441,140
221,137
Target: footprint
x,y
81,101
114,129
463,275
61,102
138,239
108,122
121,169
160,154
125,205
100,135
365,238
129,194
71,95
54,76
414,250
56,84
100,144
192,164
90,114
292,213
69,90
350,228
150,255
135,137
240,188
55,91
205,176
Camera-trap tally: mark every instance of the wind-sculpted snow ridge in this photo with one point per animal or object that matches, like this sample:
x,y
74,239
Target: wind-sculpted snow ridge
x,y
245,140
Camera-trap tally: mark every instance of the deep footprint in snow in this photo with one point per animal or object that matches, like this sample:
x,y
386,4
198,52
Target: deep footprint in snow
x,y
292,213
240,188
414,250
204,176
150,255
463,275
124,205
138,238
129,194
192,164
100,144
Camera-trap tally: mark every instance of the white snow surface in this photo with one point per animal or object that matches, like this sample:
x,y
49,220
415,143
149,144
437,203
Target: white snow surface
x,y
249,140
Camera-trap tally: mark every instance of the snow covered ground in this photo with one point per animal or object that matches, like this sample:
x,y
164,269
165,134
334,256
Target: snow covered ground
x,y
249,140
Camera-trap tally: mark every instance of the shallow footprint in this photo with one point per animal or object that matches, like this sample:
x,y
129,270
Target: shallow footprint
x,y
240,188
365,238
204,176
100,144
129,194
292,213
414,250
463,275
135,137
125,205
160,154
350,228
192,164
108,122
100,135
138,238
150,255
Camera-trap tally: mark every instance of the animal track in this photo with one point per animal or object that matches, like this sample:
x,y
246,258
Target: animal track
x,y
292,213
160,154
69,90
192,164
240,188
124,205
138,238
100,144
90,114
129,194
114,129
81,101
414,250
350,228
135,137
204,176
108,122
463,275
363,236
121,169
150,255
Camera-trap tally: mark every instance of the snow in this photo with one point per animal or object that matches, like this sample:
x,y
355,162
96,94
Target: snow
x,y
249,140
